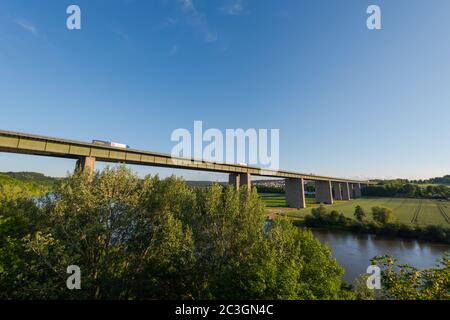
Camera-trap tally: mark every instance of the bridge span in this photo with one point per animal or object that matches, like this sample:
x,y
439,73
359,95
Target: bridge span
x,y
86,154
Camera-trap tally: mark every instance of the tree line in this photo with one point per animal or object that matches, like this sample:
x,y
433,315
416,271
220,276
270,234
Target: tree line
x,y
400,188
438,180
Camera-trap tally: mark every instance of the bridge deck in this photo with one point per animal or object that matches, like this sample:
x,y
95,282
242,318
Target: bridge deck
x,y
16,142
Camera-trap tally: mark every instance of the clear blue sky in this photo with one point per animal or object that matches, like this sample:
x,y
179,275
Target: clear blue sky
x,y
348,101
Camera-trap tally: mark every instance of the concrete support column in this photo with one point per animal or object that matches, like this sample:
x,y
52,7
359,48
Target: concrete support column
x,y
323,192
357,190
86,164
346,191
246,180
236,180
337,190
295,193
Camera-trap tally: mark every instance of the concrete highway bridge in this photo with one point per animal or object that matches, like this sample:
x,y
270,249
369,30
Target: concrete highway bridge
x,y
327,188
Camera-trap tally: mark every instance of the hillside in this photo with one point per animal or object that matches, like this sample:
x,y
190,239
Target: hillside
x,y
33,183
28,183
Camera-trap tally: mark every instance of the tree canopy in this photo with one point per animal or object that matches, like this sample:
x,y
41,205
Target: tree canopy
x,y
157,239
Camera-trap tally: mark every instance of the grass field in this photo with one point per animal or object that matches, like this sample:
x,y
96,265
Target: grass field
x,y
408,211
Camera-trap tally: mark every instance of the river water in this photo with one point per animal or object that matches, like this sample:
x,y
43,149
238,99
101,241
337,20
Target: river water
x,y
353,251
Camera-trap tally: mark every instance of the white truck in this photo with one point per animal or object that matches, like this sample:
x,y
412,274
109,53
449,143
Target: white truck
x,y
110,144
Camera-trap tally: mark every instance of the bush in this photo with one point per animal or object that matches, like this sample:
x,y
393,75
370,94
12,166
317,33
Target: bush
x,y
359,213
383,215
404,282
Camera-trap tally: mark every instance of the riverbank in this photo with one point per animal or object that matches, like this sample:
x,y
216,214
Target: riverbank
x,y
335,221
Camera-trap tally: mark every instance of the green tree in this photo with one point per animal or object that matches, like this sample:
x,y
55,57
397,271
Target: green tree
x,y
383,215
361,290
321,274
18,218
359,213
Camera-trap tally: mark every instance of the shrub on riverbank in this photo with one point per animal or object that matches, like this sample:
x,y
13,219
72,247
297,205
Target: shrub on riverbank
x,y
405,282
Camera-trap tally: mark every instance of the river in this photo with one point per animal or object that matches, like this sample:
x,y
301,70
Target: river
x,y
354,251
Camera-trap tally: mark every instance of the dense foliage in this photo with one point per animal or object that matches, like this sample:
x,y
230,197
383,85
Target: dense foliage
x,y
382,215
402,188
438,180
404,282
359,213
157,239
160,239
23,184
382,223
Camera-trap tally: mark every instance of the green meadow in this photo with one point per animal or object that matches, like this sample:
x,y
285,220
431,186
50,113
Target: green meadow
x,y
408,211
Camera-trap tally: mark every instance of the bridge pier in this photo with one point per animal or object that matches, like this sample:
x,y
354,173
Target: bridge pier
x,y
236,180
86,164
295,193
346,191
323,192
356,190
337,190
246,180
363,186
